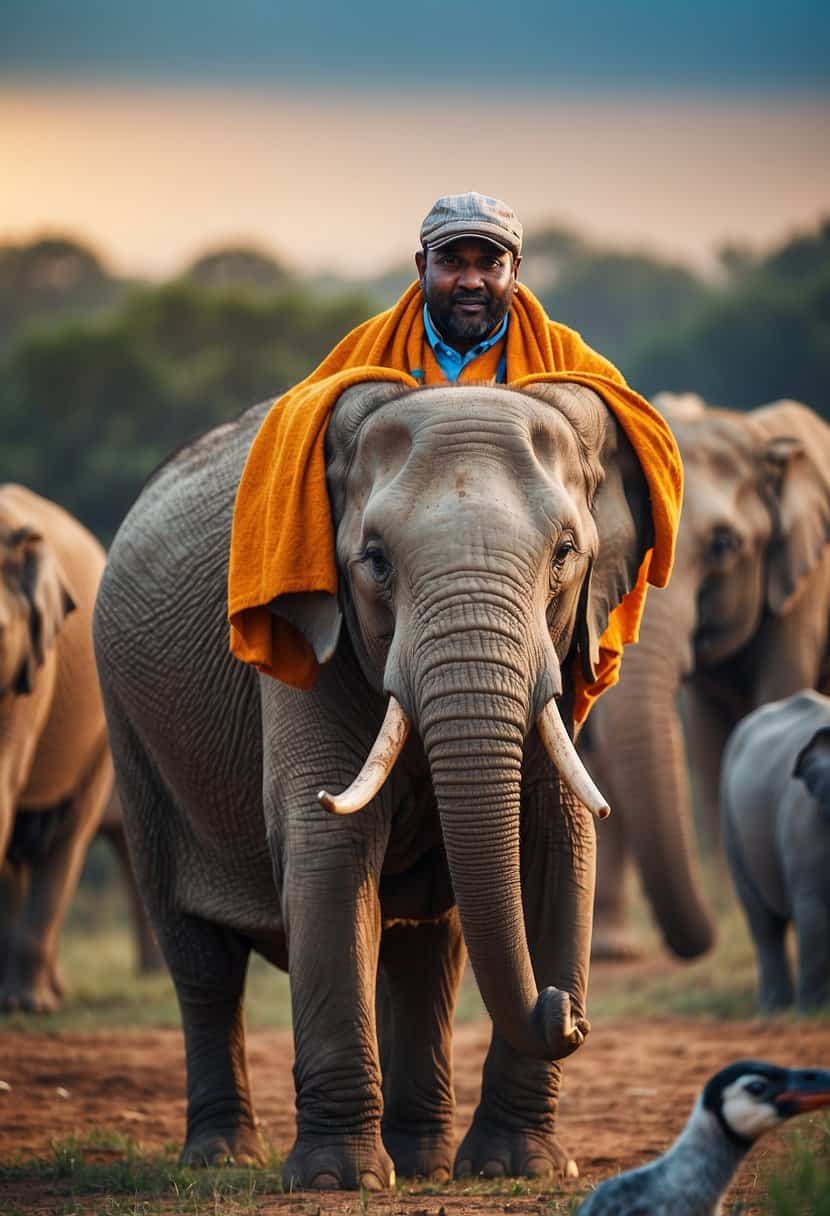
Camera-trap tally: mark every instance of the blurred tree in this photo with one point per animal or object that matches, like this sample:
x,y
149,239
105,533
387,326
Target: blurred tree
x,y
616,300
766,337
90,408
238,266
49,278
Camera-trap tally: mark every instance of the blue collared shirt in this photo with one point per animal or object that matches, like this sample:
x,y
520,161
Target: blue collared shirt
x,y
451,362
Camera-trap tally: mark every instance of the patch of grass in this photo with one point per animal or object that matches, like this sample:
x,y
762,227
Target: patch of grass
x,y
802,1186
74,1181
75,1164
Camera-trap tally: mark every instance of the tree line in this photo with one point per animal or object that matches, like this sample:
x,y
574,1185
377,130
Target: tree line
x,y
102,377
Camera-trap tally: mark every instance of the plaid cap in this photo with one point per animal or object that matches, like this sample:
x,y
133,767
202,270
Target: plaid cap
x,y
472,214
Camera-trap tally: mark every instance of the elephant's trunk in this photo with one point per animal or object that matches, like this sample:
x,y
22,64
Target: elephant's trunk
x,y
472,715
641,725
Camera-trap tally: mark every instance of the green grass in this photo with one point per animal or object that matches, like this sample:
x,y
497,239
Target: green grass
x,y
75,1172
78,1177
802,1187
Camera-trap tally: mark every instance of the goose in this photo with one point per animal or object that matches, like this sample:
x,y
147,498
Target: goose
x,y
735,1107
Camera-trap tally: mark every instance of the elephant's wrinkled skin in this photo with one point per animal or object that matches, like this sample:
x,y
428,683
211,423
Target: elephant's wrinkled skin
x,y
464,536
56,778
744,621
775,803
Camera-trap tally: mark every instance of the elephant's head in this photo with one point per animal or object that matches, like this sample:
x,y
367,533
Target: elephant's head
x,y
33,601
812,766
756,520
483,537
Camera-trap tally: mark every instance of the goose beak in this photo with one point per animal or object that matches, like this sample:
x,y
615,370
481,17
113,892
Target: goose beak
x,y
807,1089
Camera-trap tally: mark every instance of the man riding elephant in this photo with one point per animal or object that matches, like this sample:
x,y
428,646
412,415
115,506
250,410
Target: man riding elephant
x,y
442,578
468,320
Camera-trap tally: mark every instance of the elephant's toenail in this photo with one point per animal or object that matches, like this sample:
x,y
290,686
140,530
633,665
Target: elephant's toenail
x,y
325,1182
493,1169
371,1182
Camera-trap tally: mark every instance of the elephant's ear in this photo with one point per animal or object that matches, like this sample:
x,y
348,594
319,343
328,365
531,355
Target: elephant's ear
x,y
812,766
317,615
798,490
48,597
621,509
622,513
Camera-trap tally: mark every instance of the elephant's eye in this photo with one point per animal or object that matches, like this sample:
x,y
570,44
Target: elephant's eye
x,y
723,542
562,552
379,566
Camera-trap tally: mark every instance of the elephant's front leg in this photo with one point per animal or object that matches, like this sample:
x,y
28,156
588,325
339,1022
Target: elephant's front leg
x,y
421,967
32,980
514,1128
330,868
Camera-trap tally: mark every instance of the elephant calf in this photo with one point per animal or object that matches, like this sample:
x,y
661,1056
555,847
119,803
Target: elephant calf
x,y
775,796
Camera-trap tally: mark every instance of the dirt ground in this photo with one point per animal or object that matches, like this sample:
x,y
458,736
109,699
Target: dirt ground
x,y
627,1093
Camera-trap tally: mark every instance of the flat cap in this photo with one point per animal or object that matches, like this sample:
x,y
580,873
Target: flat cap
x,y
472,214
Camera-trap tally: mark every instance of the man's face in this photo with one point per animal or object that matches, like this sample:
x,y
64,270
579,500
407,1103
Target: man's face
x,y
468,286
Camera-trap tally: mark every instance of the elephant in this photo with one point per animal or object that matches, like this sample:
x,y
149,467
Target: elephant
x,y
56,775
743,621
775,804
483,535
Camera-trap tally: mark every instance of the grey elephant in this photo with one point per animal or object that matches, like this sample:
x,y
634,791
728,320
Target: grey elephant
x,y
744,621
775,803
483,535
56,775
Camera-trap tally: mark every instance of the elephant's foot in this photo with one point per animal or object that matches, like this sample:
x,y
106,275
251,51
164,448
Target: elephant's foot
x,y
241,1145
614,944
493,1151
32,983
419,1154
335,1163
30,996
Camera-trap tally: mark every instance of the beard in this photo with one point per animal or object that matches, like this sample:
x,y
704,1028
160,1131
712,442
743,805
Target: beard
x,y
452,324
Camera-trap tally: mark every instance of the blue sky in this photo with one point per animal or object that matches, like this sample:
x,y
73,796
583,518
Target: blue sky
x,y
323,131
589,46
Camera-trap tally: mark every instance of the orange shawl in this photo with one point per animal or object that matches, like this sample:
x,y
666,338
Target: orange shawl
x,y
283,538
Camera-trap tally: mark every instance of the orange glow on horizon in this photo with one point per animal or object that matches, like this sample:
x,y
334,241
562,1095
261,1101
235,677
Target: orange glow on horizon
x,y
153,177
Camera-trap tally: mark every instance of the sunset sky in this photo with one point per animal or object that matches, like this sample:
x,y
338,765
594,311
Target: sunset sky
x,y
157,130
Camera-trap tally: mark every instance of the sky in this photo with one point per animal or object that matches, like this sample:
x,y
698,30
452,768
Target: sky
x,y
323,133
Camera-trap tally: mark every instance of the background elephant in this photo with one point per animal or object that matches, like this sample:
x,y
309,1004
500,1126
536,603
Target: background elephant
x,y
56,773
467,520
743,621
775,802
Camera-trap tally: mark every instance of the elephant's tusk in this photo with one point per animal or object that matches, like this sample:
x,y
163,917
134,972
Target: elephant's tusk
x,y
566,761
379,764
